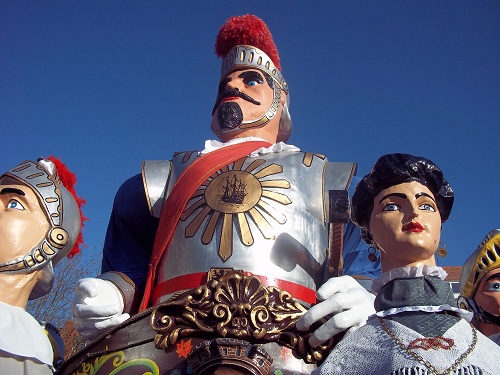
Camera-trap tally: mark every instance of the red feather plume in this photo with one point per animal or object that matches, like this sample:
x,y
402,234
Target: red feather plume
x,y
68,179
250,30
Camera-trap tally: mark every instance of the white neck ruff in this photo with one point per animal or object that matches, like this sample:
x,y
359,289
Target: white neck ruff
x,y
412,272
407,273
212,145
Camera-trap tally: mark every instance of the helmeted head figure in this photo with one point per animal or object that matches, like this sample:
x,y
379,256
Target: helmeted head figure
x,y
480,281
395,170
252,92
41,220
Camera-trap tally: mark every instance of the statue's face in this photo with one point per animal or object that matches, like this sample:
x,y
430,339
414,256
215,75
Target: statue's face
x,y
405,223
244,96
23,223
488,292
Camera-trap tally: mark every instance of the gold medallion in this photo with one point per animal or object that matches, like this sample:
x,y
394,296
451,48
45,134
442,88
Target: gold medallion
x,y
231,197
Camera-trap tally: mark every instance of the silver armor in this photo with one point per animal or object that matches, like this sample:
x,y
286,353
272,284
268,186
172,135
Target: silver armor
x,y
265,215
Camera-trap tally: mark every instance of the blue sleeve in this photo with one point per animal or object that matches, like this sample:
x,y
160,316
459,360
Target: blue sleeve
x,y
130,234
355,251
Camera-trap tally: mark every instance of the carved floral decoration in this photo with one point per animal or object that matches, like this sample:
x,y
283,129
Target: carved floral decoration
x,y
237,306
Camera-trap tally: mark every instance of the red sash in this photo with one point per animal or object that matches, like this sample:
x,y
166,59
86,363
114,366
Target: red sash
x,y
189,181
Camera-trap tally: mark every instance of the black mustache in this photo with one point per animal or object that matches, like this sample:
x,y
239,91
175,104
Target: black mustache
x,y
233,92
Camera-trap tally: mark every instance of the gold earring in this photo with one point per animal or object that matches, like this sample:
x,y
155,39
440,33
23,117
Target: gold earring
x,y
441,251
372,255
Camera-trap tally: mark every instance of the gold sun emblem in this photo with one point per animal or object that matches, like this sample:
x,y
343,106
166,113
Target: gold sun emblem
x,y
233,195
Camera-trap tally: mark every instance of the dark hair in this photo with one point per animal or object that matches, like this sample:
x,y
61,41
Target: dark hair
x,y
395,169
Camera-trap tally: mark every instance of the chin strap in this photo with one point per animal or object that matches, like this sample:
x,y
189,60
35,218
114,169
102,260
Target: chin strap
x,y
40,255
489,318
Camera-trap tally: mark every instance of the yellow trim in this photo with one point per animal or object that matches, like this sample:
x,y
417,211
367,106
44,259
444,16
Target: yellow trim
x,y
487,259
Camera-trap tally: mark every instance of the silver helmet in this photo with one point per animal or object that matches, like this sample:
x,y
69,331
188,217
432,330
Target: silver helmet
x,y
64,217
483,260
248,57
245,42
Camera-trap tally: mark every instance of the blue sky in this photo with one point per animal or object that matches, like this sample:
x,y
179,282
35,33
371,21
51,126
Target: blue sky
x,y
107,84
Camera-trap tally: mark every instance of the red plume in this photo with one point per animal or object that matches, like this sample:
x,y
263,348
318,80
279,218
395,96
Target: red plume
x,y
250,30
68,179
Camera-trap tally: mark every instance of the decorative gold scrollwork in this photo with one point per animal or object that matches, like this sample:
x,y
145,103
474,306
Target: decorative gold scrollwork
x,y
117,363
235,306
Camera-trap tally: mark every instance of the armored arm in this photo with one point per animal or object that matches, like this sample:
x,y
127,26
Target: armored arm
x,y
338,176
342,298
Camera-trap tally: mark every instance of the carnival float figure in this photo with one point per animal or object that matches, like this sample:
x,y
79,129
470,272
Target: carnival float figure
x,y
227,246
418,329
480,286
40,221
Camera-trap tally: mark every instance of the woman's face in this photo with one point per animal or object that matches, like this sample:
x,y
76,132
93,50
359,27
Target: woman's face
x,y
406,225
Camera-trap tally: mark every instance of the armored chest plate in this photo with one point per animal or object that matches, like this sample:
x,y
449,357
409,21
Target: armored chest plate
x,y
265,215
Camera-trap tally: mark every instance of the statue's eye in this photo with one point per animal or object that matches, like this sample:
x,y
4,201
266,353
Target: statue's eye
x,y
392,207
427,207
494,286
252,78
15,205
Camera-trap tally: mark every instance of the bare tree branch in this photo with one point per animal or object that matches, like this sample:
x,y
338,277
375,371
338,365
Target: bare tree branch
x,y
55,307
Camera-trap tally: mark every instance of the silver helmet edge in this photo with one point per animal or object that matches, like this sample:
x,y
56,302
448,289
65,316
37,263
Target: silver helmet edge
x,y
250,57
63,215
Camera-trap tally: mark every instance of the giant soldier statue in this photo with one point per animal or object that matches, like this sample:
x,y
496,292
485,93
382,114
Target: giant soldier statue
x,y
40,221
231,242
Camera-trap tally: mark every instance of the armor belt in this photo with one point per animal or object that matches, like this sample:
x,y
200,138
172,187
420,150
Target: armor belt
x,y
194,280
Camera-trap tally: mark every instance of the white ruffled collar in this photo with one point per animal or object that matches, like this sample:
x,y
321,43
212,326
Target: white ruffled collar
x,y
212,145
407,273
412,272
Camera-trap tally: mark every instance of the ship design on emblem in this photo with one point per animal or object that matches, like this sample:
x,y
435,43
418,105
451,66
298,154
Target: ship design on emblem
x,y
234,197
234,191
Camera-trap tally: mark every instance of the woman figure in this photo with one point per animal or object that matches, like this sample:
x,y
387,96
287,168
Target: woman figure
x,y
400,206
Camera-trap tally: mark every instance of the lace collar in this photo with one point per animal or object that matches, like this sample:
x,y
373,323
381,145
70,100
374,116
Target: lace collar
x,y
211,145
407,273
426,302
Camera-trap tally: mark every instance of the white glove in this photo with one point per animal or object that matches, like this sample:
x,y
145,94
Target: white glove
x,y
347,300
98,305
